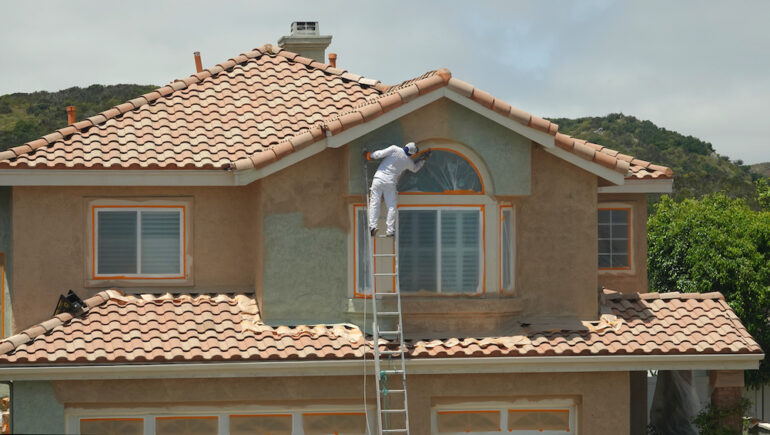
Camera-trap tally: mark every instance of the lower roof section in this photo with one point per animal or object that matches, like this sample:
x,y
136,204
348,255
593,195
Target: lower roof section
x,y
222,335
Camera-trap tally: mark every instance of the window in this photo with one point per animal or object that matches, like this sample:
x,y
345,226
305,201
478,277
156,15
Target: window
x,y
448,172
100,426
506,248
273,424
363,274
492,418
614,238
138,242
440,249
186,425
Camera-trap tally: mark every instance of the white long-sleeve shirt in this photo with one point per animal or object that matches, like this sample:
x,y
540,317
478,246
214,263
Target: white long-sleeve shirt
x,y
394,164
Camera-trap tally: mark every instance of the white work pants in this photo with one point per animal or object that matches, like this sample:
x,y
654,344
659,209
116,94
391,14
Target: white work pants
x,y
388,190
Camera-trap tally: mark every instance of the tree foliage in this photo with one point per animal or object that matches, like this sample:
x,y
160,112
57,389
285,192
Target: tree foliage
x,y
719,244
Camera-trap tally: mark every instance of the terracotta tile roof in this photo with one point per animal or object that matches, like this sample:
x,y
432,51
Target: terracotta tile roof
x,y
227,327
255,109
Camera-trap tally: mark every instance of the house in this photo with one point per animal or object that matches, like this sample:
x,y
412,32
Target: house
x,y
214,229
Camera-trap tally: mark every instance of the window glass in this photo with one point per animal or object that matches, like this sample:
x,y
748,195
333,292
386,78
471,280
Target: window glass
x,y
440,250
347,423
614,238
260,424
117,244
447,172
186,425
468,421
160,242
111,426
363,265
539,420
139,241
506,248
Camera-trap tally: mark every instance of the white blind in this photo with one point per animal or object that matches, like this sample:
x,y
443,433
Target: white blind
x,y
117,244
363,272
160,242
459,251
418,249
506,248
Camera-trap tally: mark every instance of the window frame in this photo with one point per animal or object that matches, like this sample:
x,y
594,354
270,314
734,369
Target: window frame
x,y
149,415
630,244
504,407
512,265
139,208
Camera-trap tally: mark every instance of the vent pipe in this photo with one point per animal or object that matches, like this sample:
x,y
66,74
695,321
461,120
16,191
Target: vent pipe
x,y
198,64
70,114
333,60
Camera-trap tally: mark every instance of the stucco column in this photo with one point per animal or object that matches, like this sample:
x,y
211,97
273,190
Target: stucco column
x,y
726,393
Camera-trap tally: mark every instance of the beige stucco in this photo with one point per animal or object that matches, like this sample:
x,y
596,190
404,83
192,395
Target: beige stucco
x,y
635,279
601,399
51,243
556,245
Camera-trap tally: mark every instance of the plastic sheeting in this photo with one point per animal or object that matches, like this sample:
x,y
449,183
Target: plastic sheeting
x,y
445,172
468,421
186,425
112,426
674,404
347,423
538,419
260,424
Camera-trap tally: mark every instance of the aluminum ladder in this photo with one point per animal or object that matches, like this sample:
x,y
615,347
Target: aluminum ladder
x,y
389,363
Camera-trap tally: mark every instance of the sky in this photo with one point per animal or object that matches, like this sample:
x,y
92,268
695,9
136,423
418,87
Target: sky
x,y
701,68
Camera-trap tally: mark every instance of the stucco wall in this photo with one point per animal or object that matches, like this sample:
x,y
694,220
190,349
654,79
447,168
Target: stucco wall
x,y
36,409
505,153
602,398
51,243
556,233
7,258
305,225
634,280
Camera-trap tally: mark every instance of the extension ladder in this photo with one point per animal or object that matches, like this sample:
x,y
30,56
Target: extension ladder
x,y
389,363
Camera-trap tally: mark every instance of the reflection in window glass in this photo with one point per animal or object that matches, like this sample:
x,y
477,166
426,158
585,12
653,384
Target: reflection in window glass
x,y
448,172
614,238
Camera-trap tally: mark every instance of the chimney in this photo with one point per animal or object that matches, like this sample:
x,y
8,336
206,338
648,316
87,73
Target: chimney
x,y
306,40
198,65
70,114
333,60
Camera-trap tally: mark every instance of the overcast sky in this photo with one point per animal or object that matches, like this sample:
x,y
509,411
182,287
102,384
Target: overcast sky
x,y
697,67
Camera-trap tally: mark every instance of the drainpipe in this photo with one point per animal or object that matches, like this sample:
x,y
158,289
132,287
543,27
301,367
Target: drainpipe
x,y
10,404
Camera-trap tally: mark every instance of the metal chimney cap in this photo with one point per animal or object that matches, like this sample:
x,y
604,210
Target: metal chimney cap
x,y
305,28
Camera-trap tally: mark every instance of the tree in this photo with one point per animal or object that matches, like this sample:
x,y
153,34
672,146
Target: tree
x,y
716,244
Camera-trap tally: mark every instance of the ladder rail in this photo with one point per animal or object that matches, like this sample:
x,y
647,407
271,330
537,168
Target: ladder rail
x,y
380,380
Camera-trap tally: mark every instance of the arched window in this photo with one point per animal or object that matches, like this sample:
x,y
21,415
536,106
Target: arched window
x,y
448,172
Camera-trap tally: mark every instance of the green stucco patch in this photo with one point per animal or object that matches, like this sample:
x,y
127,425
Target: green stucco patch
x,y
506,154
305,276
35,408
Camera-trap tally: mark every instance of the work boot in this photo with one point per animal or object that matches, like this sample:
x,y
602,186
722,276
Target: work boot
x,y
390,235
372,231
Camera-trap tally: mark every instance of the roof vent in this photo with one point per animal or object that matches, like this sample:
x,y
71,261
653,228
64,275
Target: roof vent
x,y
306,40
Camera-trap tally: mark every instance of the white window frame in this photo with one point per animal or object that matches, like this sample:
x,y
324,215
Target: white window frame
x,y
438,208
180,210
617,270
512,265
503,407
74,415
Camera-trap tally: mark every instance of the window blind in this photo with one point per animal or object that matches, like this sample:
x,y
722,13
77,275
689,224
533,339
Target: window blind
x,y
363,271
459,251
117,243
417,251
160,242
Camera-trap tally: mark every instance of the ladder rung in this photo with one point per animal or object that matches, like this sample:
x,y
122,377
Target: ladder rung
x,y
393,372
388,313
384,255
394,431
389,332
391,352
396,391
393,411
385,274
384,237
387,294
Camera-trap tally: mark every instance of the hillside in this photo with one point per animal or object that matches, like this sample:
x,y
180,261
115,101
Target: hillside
x,y
698,169
27,116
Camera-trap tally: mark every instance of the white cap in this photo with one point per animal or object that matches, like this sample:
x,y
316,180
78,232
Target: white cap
x,y
412,148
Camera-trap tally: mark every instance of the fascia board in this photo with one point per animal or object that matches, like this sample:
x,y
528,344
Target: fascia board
x,y
641,186
608,174
547,364
116,177
530,133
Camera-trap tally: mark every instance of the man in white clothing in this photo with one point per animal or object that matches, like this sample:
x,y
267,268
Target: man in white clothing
x,y
396,161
